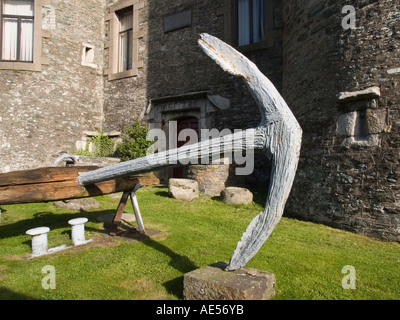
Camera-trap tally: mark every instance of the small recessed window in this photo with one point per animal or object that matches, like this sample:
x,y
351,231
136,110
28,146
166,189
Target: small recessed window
x,y
360,128
88,55
353,126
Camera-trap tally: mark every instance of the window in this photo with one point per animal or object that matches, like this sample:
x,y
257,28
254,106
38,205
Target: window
x,y
251,21
17,30
360,127
125,40
88,56
361,122
248,24
21,35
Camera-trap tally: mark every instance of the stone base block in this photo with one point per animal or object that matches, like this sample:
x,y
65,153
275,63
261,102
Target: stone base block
x,y
213,283
235,195
183,189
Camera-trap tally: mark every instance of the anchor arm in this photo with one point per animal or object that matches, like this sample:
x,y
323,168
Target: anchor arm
x,y
282,142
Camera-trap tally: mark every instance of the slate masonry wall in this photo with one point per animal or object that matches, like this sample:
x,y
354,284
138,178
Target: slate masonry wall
x,y
342,85
43,114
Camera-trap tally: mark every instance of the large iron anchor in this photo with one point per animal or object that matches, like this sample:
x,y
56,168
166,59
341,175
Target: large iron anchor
x,y
278,135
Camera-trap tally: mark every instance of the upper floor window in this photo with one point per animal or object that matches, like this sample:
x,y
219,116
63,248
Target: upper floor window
x,y
250,21
17,25
21,35
125,40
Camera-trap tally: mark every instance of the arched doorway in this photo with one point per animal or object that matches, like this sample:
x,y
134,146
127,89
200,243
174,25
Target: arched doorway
x,y
184,123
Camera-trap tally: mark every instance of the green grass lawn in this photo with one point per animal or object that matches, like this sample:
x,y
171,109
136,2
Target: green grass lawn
x,y
306,258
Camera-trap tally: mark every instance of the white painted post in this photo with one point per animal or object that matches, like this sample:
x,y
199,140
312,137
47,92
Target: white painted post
x,y
39,240
136,210
78,231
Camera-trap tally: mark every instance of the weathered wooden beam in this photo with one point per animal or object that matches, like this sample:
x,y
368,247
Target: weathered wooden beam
x,y
41,175
55,183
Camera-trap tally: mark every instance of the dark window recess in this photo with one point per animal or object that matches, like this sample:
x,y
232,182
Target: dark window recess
x,y
178,20
360,129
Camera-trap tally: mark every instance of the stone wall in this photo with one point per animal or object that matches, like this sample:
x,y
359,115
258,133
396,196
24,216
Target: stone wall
x,y
126,99
44,113
175,70
342,85
345,179
174,65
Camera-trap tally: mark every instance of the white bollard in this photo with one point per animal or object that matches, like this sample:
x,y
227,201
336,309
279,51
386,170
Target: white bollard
x,y
39,240
78,231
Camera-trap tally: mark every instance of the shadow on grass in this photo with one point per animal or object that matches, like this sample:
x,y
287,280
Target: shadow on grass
x,y
177,261
259,195
7,294
49,219
56,221
164,194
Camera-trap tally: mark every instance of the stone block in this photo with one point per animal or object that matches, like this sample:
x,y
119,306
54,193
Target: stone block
x,y
235,195
376,121
178,20
393,71
346,123
85,204
211,178
183,189
369,93
213,283
97,161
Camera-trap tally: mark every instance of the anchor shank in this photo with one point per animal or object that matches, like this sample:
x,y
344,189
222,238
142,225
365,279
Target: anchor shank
x,y
203,151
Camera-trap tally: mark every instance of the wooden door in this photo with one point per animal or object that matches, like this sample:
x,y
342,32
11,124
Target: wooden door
x,y
184,123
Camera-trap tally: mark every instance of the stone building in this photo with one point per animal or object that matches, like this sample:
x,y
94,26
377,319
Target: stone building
x,y
343,86
52,94
76,66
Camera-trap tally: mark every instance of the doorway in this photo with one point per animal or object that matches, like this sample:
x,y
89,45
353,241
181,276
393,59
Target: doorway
x,y
184,123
